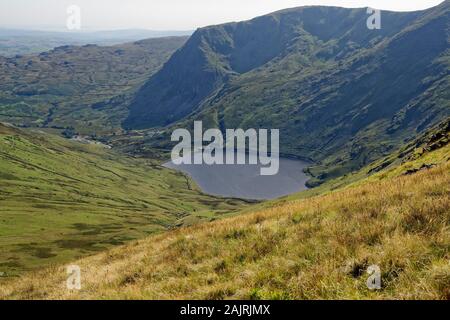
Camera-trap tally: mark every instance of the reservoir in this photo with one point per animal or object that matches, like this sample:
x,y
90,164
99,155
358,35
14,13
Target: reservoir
x,y
245,181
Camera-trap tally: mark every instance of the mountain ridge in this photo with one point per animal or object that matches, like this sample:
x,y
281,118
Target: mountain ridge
x,y
366,90
238,39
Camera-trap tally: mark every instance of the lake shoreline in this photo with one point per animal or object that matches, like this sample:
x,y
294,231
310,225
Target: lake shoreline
x,y
244,181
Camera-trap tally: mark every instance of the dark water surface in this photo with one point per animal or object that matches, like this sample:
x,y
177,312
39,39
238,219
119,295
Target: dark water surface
x,y
245,181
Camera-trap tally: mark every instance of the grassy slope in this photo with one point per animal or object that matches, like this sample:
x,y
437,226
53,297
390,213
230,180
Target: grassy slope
x,y
60,200
313,248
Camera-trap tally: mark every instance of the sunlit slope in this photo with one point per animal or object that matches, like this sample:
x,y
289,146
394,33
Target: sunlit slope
x,y
314,248
61,199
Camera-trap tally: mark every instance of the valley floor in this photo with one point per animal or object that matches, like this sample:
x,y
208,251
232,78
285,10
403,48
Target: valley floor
x,y
315,248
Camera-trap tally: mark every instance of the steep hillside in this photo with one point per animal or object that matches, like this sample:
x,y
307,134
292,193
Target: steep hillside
x,y
62,199
215,54
83,87
316,248
341,94
411,157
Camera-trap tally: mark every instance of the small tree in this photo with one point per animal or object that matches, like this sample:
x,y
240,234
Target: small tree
x,y
69,132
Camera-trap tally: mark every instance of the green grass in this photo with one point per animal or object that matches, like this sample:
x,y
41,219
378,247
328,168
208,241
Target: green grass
x,y
60,200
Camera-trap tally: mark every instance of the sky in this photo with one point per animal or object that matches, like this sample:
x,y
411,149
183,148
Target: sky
x,y
166,14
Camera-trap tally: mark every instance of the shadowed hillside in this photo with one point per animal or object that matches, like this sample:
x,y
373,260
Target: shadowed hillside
x,y
215,54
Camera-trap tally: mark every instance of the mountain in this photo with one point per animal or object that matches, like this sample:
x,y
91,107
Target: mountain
x,y
62,199
342,95
316,248
85,87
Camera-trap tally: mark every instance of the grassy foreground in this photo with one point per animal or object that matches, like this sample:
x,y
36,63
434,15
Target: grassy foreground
x,y
315,248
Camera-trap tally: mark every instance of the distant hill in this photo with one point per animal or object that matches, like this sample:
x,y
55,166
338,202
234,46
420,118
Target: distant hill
x,y
341,94
86,87
20,42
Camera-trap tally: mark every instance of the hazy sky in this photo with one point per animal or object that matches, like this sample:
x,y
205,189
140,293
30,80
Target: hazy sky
x,y
166,14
